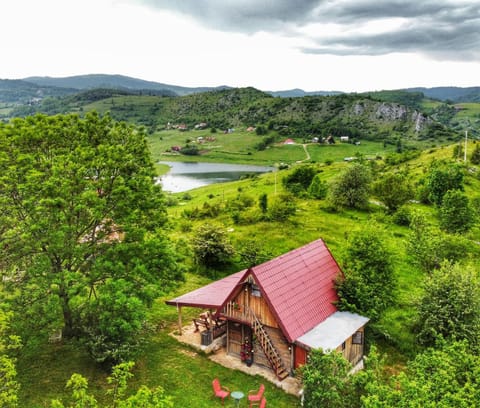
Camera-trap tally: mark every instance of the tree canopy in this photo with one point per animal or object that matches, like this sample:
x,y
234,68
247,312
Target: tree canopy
x,y
445,377
394,190
450,306
367,286
441,178
351,188
456,214
81,213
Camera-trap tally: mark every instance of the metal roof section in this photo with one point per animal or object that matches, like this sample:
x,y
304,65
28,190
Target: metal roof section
x,y
211,296
299,287
333,331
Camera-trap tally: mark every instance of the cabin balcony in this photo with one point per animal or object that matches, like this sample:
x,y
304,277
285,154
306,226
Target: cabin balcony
x,y
237,312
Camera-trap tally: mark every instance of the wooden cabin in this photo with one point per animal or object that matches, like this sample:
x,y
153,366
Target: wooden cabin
x,y
273,314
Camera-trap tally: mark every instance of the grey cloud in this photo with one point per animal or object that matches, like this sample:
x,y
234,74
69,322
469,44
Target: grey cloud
x,y
447,29
247,16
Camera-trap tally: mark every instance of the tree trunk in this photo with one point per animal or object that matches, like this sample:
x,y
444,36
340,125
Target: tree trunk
x,y
68,330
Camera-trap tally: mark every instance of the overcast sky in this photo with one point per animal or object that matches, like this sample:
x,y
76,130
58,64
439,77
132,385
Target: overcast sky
x,y
345,45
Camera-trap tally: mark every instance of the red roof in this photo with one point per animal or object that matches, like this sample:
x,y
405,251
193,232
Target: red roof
x,y
211,296
298,287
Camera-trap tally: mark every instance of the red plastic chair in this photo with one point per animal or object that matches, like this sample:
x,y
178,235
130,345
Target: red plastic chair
x,y
255,397
219,390
263,403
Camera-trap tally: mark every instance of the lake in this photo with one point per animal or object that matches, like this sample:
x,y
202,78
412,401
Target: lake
x,y
185,176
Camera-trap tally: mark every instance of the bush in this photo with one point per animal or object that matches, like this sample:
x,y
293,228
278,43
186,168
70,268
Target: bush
x,y
113,323
456,215
211,246
429,246
441,178
351,189
318,188
282,207
450,306
394,190
402,216
368,283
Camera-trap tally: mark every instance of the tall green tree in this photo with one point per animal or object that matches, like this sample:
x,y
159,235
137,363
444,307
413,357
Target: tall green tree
x,y
429,246
394,190
456,214
329,382
81,210
368,282
475,156
325,380
450,306
444,377
441,178
351,189
211,246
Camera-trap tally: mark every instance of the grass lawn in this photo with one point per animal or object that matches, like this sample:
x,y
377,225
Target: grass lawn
x,y
184,373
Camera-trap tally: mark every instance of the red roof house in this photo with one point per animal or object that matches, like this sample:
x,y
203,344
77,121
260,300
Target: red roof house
x,y
281,309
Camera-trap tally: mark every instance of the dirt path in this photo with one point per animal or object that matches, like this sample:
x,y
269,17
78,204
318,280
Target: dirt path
x,y
306,153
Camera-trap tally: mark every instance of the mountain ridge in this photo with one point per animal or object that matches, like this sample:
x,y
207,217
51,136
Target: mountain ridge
x,y
42,86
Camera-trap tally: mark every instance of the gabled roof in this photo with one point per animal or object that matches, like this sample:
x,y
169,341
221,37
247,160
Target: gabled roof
x,y
299,287
211,296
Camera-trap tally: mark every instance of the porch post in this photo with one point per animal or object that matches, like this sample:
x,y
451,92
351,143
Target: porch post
x,y
210,319
179,310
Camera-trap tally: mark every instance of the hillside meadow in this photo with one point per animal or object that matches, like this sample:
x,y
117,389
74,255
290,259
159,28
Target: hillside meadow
x,y
186,375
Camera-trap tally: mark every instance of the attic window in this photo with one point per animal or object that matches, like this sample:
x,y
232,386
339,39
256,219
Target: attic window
x,y
357,338
256,290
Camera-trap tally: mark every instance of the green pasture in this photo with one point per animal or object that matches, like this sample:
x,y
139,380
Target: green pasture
x,y
239,147
468,110
183,372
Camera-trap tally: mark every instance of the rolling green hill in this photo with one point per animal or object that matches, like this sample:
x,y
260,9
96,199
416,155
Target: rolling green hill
x,y
353,115
380,116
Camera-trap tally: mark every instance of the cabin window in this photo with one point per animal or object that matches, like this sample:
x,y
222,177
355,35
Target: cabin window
x,y
256,291
343,346
357,337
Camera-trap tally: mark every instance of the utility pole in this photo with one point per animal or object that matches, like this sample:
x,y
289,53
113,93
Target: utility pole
x,y
465,153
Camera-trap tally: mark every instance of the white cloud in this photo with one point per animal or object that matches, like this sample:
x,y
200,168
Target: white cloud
x,y
239,48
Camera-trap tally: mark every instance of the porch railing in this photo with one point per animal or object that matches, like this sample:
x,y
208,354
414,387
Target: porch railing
x,y
245,314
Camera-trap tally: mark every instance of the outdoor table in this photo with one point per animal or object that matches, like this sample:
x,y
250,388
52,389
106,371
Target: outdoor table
x,y
237,396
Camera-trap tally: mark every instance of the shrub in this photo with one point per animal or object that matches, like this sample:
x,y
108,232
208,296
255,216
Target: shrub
x,y
282,207
318,188
402,216
351,188
368,283
211,246
450,306
456,215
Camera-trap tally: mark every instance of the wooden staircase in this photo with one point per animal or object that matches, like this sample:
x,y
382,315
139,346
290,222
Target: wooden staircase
x,y
272,354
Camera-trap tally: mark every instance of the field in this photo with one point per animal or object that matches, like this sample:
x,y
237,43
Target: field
x,y
238,147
